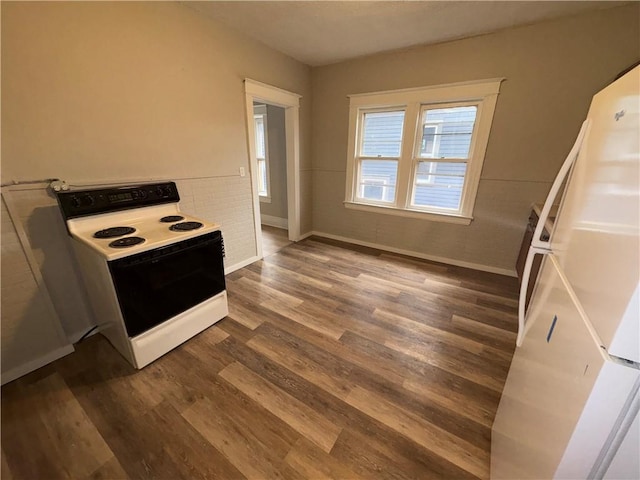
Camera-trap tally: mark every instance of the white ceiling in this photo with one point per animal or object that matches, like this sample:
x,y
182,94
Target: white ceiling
x,y
324,32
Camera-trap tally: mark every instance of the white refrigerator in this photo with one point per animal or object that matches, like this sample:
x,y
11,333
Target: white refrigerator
x,y
570,404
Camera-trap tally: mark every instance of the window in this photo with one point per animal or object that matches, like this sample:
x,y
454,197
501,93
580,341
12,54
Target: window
x,y
262,151
419,152
380,153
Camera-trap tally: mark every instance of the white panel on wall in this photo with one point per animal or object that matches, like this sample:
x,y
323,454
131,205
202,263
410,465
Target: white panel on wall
x,y
31,335
27,313
493,225
226,201
223,200
40,217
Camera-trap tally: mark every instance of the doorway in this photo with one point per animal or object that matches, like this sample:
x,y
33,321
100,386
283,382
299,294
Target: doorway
x,y
257,93
271,158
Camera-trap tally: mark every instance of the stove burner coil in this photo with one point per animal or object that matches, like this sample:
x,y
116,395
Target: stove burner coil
x,y
171,219
114,232
126,242
185,226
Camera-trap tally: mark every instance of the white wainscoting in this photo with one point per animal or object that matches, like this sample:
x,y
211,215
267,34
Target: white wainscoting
x,y
223,200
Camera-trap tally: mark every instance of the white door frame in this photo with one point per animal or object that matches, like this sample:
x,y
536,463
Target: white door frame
x,y
261,92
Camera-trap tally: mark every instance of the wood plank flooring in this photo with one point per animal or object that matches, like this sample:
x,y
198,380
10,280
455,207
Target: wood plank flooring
x,y
335,362
273,239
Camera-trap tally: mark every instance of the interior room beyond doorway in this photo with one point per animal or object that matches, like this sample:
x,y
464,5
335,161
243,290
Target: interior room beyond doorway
x,y
271,156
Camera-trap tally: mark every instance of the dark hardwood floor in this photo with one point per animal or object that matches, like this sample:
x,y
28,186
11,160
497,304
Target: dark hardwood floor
x,y
334,362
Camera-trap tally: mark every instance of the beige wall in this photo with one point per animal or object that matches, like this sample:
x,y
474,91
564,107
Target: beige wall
x,y
277,164
552,70
119,91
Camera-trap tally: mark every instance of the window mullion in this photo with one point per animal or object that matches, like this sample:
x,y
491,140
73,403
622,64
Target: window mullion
x,y
405,166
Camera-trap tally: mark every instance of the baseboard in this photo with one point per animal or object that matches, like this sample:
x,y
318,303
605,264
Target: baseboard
x,y
35,364
305,235
424,256
274,221
239,265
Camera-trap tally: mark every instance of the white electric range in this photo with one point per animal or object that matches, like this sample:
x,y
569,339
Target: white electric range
x,y
154,275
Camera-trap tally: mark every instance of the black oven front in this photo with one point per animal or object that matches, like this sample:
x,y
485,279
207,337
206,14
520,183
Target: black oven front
x,y
159,284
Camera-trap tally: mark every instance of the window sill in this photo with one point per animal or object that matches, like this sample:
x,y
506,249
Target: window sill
x,y
435,217
265,199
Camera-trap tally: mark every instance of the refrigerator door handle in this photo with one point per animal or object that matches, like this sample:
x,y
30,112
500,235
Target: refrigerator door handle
x,y
524,286
555,188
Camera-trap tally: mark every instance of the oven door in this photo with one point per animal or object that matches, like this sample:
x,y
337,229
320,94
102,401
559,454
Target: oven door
x,y
157,285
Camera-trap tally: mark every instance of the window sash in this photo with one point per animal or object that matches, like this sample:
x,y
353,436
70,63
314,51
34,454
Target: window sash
x,y
436,180
424,108
408,186
361,127
388,189
380,179
438,186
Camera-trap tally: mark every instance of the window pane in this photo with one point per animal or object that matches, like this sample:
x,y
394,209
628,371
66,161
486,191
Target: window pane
x,y
262,177
260,146
382,134
439,184
378,180
446,132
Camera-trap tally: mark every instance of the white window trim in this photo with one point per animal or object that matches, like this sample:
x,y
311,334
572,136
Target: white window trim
x,y
261,110
483,92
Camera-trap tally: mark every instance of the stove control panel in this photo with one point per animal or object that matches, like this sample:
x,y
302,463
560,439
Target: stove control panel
x,y
78,203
